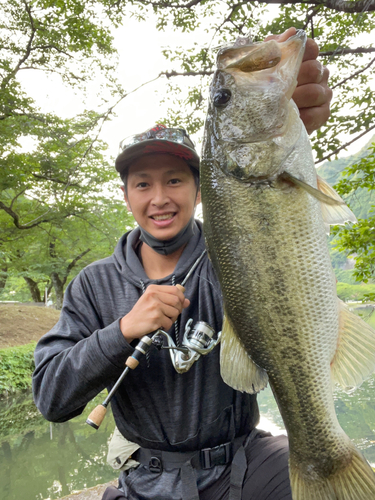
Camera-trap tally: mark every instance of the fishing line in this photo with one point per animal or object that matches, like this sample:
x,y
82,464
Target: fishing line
x,y
214,287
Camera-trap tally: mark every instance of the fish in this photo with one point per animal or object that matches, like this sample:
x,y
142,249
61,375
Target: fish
x,y
265,218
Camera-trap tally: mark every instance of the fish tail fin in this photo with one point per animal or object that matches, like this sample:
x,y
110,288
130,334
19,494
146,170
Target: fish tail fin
x,y
354,482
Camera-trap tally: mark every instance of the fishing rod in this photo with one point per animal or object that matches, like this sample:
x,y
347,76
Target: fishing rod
x,y
197,341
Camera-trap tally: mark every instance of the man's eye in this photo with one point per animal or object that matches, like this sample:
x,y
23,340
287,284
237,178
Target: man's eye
x,y
142,185
174,181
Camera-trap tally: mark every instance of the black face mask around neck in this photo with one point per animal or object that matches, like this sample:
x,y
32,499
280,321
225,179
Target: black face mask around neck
x,y
166,247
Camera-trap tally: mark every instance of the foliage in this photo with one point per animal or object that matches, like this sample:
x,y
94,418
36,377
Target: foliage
x,y
15,290
336,26
345,276
16,368
355,293
56,189
359,239
57,202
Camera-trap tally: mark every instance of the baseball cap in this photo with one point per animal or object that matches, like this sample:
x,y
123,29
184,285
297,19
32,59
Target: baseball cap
x,y
158,139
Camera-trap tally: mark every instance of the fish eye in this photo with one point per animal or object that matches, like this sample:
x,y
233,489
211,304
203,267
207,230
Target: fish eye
x,y
222,97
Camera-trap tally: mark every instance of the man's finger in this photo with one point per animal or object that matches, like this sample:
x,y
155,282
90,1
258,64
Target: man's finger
x,y
312,72
283,36
311,50
314,118
311,95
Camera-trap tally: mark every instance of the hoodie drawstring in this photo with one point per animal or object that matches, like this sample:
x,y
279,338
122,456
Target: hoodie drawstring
x,y
176,327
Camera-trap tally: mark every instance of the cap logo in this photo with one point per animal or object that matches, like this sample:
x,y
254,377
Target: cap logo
x,y
151,134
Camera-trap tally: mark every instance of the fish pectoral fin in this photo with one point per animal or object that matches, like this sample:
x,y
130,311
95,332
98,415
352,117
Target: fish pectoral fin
x,y
316,193
238,370
334,214
354,359
334,209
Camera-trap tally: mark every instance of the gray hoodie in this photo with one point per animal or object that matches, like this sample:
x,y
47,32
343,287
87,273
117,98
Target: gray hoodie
x,y
155,406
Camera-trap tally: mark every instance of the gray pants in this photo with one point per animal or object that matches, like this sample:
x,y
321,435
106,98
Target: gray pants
x,y
266,477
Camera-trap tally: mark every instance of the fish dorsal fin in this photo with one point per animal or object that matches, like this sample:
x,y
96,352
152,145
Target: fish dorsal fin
x,y
334,214
237,368
354,359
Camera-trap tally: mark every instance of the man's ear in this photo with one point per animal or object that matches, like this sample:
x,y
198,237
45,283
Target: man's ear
x,y
126,199
198,199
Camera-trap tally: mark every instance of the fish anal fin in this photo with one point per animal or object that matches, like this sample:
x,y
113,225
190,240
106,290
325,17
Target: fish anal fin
x,y
238,370
354,359
334,214
355,481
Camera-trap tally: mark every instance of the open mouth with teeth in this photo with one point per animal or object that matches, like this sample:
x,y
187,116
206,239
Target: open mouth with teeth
x,y
163,216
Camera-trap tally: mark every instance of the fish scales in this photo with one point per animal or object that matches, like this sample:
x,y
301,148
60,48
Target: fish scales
x,y
276,301
266,238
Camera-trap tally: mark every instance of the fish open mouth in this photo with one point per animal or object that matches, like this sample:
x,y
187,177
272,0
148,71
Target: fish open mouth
x,y
245,60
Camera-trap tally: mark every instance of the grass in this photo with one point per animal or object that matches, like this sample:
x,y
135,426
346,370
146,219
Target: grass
x,y
17,366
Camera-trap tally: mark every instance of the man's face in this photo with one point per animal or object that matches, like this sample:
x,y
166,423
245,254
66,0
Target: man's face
x,y
161,193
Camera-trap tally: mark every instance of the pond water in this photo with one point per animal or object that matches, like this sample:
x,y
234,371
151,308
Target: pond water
x,y
39,460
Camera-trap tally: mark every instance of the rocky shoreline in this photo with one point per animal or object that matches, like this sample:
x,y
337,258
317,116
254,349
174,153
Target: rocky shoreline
x,y
94,493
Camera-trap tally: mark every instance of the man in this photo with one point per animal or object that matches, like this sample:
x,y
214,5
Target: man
x,y
197,436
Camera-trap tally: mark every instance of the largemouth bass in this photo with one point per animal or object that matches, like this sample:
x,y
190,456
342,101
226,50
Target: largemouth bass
x,y
265,216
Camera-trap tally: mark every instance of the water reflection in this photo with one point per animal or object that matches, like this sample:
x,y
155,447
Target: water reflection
x,y
39,460
355,412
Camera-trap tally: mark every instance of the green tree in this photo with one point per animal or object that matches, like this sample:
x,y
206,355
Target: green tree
x,y
336,25
57,174
57,201
360,238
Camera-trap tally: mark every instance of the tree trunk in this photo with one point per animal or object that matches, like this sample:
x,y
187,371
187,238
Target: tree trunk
x,y
3,277
34,290
58,286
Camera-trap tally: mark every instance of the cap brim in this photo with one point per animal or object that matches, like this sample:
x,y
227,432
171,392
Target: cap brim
x,y
156,146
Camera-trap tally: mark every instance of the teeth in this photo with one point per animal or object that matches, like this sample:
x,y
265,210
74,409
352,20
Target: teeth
x,y
163,217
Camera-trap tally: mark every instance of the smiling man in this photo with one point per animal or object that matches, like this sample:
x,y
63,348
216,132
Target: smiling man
x,y
195,437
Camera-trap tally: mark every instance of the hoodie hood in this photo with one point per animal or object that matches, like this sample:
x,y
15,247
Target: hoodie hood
x,y
128,264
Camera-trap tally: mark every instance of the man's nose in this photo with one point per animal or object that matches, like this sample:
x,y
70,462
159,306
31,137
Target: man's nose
x,y
160,196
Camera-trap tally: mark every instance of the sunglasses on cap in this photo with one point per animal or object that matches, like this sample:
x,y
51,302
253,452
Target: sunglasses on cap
x,y
161,132
159,139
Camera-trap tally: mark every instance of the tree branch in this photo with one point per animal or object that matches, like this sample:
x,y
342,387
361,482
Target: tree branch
x,y
28,49
73,263
354,74
314,11
15,198
345,145
337,5
170,74
52,179
29,225
44,47
344,52
166,5
104,117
